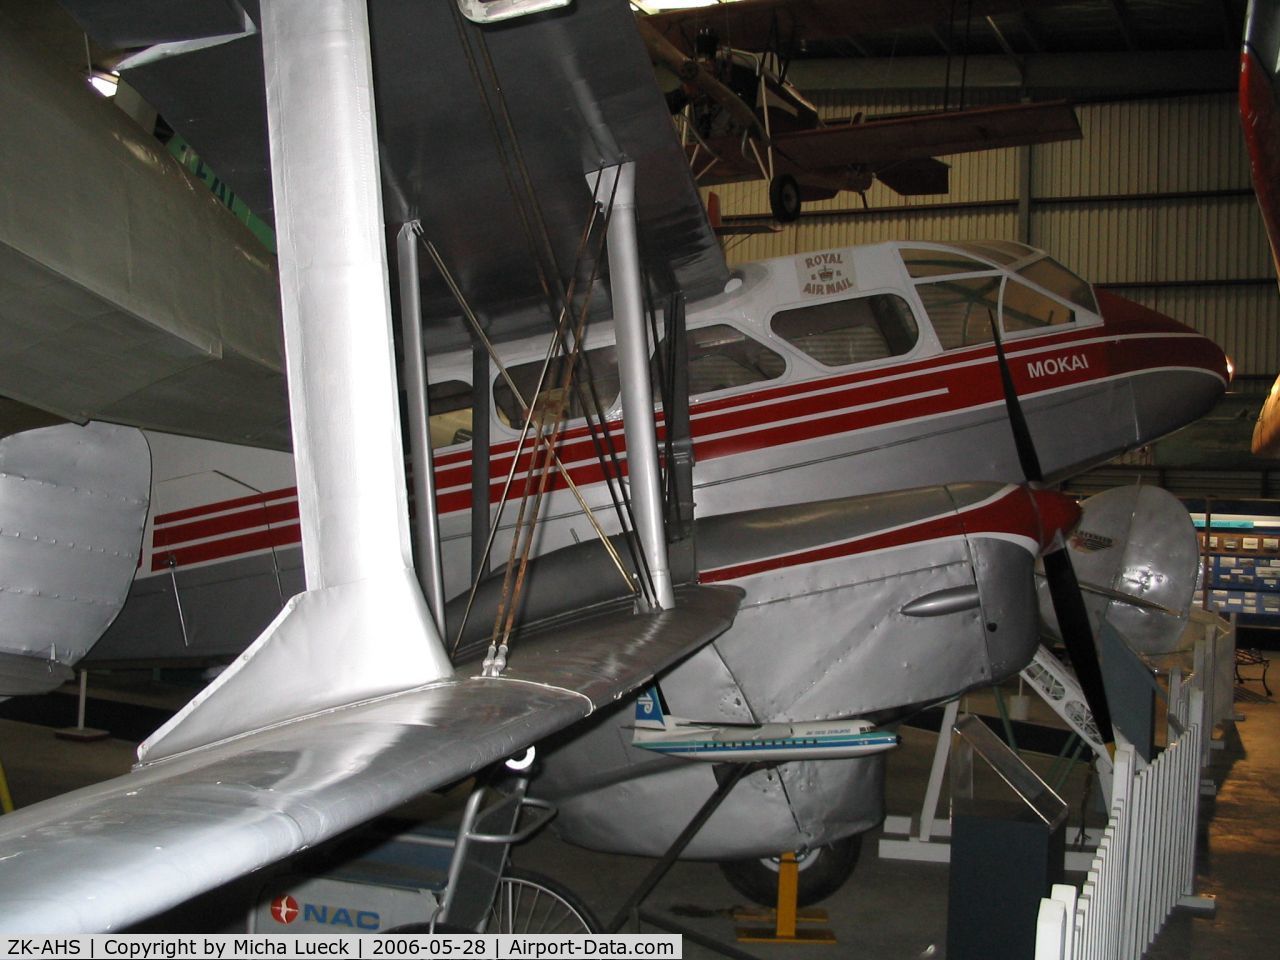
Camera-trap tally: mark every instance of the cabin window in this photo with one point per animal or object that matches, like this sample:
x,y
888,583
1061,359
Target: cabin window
x,y
962,310
937,263
1028,309
449,404
594,390
842,332
1056,278
722,357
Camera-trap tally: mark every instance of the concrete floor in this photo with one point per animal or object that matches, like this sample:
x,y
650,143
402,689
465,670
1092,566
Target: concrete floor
x,y
889,908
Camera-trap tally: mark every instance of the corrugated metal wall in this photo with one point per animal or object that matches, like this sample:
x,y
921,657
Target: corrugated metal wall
x,y
1154,201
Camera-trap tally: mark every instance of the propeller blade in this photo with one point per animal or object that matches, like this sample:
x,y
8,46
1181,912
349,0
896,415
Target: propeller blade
x,y
1064,589
1027,457
1077,635
690,71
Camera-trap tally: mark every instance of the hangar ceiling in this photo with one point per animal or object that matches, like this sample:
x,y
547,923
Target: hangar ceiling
x,y
1099,51
1072,48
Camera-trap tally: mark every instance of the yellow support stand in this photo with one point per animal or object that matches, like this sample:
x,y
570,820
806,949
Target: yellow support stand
x,y
786,917
6,801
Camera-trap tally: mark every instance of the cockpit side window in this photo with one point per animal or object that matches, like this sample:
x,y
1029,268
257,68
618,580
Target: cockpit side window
x,y
841,332
1028,309
597,372
722,356
961,310
1056,278
449,404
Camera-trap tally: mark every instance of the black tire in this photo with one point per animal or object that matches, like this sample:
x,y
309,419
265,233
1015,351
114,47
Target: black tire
x,y
784,198
822,872
528,902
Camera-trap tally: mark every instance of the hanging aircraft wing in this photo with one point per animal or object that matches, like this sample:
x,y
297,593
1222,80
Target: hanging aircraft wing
x,y
133,297
130,295
108,855
766,24
879,143
496,178
901,151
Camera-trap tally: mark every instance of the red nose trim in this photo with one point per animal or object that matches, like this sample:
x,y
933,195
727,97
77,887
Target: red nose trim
x,y
1058,515
1186,348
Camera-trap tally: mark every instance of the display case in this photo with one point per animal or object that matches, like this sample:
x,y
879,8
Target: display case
x,y
1240,546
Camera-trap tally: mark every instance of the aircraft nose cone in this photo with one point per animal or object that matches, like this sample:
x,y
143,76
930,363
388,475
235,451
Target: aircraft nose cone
x,y
1168,341
1058,514
1176,374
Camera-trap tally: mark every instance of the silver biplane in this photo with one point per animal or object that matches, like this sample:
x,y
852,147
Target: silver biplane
x,y
841,421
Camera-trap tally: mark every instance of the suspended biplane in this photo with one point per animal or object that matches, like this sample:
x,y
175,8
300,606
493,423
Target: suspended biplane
x,y
741,119
832,464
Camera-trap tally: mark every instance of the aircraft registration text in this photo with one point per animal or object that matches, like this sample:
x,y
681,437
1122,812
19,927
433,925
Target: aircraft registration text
x,y
1056,365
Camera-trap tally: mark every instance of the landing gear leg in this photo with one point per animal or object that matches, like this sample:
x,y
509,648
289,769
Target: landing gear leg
x,y
820,873
727,778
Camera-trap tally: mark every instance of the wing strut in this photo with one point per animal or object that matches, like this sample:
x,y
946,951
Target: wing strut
x,y
362,629
541,442
426,524
633,372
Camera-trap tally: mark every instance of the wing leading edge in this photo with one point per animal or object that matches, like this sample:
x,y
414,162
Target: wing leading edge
x,y
176,827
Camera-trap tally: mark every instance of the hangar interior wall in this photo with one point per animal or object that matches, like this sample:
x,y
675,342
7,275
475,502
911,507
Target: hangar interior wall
x,y
1154,202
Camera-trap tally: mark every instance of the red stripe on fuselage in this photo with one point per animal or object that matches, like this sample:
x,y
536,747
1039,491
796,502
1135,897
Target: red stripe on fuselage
x,y
1009,513
257,516
208,508
798,412
227,547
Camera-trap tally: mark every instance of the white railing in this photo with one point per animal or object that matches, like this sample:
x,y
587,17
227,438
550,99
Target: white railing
x,y
1145,862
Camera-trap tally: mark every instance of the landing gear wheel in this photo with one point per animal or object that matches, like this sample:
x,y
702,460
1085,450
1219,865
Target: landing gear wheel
x,y
822,872
784,198
528,902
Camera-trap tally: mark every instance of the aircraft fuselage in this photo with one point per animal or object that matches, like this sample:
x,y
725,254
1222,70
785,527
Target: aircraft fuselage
x,y
786,407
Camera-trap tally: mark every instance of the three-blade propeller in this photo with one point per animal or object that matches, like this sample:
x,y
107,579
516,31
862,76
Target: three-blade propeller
x,y
1064,589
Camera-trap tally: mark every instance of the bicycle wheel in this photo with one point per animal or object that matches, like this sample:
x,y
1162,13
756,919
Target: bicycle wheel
x,y
528,902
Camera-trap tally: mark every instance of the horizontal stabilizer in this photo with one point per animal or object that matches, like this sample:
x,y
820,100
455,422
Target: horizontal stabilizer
x,y
916,178
73,504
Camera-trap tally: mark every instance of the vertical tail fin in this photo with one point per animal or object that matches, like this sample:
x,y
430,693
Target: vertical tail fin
x,y
649,712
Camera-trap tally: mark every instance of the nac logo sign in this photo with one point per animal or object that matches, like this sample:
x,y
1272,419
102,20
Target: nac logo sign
x,y
285,910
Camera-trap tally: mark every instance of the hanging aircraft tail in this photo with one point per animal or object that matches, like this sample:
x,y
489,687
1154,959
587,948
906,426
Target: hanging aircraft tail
x,y
649,712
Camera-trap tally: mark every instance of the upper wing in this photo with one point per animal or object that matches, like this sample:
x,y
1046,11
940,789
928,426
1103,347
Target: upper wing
x,y
204,815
